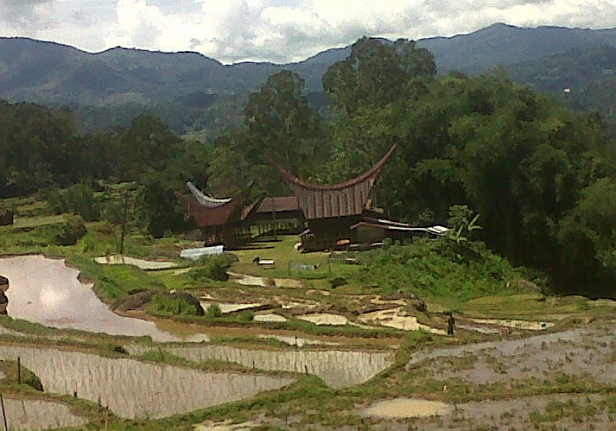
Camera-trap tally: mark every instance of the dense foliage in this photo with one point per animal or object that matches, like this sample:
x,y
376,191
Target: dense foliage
x,y
438,269
539,176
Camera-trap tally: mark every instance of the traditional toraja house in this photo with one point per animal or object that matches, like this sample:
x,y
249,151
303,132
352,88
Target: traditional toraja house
x,y
218,219
332,210
280,214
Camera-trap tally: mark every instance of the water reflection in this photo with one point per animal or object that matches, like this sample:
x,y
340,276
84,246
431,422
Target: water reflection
x,y
337,368
135,389
38,415
48,292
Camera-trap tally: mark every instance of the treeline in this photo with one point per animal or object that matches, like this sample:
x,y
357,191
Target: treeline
x,y
42,151
540,176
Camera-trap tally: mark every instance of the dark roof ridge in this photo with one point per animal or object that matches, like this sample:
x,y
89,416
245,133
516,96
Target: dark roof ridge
x,y
309,186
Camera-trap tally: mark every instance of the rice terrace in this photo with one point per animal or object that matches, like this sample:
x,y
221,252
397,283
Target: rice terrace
x,y
311,342
425,252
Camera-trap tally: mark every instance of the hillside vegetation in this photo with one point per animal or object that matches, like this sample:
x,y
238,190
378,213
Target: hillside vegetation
x,y
539,176
192,92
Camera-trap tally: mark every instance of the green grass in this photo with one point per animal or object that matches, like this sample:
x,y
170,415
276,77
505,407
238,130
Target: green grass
x,y
113,282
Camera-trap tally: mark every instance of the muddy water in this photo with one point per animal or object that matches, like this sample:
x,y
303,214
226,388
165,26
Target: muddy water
x,y
134,389
38,415
296,341
394,318
407,408
139,263
337,368
48,292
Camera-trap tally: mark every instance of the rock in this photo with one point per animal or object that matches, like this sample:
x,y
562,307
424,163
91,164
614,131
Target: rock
x,y
189,299
134,301
4,301
6,217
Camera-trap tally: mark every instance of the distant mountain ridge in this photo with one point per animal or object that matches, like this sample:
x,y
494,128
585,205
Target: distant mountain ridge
x,y
55,74
502,44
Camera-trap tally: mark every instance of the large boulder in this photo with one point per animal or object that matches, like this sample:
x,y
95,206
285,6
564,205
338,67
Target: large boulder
x,y
136,299
4,301
6,217
188,298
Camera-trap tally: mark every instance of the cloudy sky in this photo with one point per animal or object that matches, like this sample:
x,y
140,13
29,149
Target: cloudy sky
x,y
277,30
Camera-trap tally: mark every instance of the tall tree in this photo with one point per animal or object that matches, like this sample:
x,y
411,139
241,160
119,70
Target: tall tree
x,y
281,123
377,73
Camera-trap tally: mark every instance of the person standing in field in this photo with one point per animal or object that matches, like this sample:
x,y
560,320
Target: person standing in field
x,y
451,324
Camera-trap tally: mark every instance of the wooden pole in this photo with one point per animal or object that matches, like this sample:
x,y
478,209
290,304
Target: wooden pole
x,y
6,426
124,223
274,219
19,370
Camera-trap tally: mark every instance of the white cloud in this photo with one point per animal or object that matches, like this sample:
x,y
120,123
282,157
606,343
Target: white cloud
x,y
277,30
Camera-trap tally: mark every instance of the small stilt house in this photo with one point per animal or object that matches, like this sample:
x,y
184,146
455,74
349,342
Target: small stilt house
x,y
331,210
218,219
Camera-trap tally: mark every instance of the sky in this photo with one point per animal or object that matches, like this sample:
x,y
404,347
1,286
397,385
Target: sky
x,y
279,31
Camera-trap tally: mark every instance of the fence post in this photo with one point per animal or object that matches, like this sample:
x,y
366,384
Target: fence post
x,y
6,426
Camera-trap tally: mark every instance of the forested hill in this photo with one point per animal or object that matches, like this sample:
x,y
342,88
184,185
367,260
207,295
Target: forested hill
x,y
194,92
585,78
501,45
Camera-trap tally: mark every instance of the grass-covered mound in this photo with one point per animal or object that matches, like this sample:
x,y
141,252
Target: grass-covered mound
x,y
438,270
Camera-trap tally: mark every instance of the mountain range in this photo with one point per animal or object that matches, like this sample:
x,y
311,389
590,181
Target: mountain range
x,y
194,92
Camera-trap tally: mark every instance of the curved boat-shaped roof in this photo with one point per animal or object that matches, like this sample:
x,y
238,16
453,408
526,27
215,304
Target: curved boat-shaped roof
x,y
338,200
204,199
215,212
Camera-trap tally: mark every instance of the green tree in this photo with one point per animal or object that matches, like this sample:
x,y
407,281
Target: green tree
x,y
587,238
376,73
147,145
281,123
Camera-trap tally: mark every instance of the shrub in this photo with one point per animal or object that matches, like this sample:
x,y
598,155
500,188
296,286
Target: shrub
x,y
337,282
212,268
71,231
441,268
77,199
213,311
176,304
246,316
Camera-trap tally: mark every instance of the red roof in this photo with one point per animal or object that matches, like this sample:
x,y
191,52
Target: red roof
x,y
339,200
221,215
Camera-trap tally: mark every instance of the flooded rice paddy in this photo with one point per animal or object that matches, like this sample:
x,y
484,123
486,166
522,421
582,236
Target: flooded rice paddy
x,y
545,356
407,408
337,368
135,389
139,263
269,317
395,318
48,292
31,415
296,341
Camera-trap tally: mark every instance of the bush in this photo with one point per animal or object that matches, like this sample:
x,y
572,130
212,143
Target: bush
x,y
246,316
71,231
437,269
337,282
78,199
180,303
212,268
213,311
